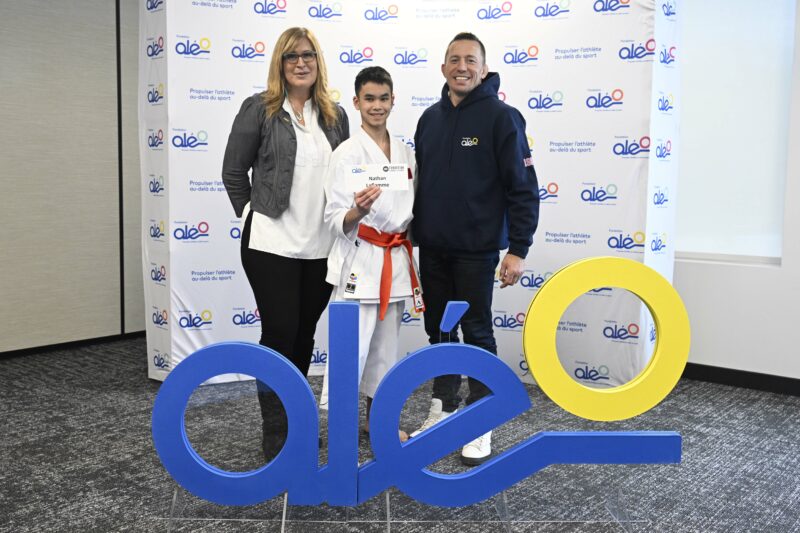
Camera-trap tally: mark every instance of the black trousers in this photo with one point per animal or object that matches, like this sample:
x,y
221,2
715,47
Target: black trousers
x,y
445,276
291,295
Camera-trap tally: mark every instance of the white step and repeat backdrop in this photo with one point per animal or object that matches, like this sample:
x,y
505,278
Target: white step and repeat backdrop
x,y
597,83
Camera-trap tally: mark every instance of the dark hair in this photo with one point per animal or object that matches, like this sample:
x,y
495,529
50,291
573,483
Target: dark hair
x,y
467,36
377,75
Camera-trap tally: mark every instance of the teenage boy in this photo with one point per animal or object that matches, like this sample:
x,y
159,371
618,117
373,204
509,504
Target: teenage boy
x,y
371,261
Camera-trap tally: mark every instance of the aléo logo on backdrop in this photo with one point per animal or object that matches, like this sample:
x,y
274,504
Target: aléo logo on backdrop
x,y
324,11
551,10
354,56
405,465
495,13
265,7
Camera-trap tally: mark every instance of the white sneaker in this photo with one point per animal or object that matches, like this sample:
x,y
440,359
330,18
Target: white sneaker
x,y
478,450
435,416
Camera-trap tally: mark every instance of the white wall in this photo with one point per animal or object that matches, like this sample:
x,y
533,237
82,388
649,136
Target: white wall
x,y
744,312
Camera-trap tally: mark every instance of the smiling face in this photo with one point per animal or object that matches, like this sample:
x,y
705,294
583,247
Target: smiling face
x,y
464,68
374,101
302,74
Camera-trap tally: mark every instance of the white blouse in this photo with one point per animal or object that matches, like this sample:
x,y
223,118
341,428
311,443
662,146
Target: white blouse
x,y
300,232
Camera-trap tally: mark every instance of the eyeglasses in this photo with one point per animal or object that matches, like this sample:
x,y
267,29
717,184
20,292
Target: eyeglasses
x,y
308,57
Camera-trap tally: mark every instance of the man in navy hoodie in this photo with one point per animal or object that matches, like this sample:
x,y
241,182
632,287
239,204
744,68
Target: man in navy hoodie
x,y
476,194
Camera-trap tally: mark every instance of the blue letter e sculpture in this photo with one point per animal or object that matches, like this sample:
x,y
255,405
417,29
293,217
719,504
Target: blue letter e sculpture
x,y
404,465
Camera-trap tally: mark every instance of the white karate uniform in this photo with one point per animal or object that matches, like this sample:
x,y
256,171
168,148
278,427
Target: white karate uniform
x,y
354,265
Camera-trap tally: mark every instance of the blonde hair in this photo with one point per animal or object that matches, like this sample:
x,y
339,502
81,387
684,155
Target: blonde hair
x,y
276,82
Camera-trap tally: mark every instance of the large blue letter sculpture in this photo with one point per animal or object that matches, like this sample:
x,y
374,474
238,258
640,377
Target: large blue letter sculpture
x,y
404,465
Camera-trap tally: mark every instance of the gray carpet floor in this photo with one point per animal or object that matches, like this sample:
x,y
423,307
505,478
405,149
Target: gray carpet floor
x,y
76,455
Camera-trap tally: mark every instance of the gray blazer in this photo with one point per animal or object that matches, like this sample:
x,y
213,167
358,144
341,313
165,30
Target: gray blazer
x,y
269,147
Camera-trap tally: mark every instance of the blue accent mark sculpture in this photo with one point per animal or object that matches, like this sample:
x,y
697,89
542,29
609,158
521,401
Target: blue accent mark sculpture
x,y
453,312
404,465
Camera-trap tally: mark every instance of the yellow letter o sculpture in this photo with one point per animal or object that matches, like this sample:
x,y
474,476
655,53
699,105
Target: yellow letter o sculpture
x,y
647,389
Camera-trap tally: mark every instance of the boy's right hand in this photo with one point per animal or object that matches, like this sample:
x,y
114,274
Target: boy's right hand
x,y
365,198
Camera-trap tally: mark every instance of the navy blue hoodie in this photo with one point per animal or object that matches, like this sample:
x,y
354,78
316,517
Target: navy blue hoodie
x,y
477,189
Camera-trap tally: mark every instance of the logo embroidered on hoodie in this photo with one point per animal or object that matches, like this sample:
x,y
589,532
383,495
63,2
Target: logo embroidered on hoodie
x,y
469,141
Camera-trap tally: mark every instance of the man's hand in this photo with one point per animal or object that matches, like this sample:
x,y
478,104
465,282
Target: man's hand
x,y
511,270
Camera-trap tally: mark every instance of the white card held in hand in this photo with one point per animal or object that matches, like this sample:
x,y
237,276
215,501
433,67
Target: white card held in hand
x,y
388,177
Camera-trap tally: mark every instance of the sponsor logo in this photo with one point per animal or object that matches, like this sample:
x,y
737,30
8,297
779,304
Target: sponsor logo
x,y
605,100
469,141
667,55
509,322
155,139
668,8
533,280
152,5
353,56
155,94
599,194
246,318
186,233
324,11
195,321
157,230
158,274
634,52
543,102
609,6
551,10
626,242
660,197
319,356
632,147
235,233
335,95
518,56
264,7
659,243
664,150
501,96
154,47
584,373
548,191
160,318
195,48
621,333
494,13
245,51
666,103
407,57
189,141
161,360
156,185
406,140
523,365
411,317
652,334
378,14
600,290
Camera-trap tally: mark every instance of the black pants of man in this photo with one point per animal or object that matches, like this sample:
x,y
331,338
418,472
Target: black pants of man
x,y
447,276
291,295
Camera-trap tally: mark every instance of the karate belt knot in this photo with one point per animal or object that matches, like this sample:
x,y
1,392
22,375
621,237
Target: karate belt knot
x,y
387,241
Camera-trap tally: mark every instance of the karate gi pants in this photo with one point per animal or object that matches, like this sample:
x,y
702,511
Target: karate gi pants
x,y
377,346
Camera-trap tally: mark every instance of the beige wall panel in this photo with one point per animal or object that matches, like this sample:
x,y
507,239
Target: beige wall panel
x,y
131,176
59,274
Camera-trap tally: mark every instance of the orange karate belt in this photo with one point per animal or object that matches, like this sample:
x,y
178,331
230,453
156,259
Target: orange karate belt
x,y
387,241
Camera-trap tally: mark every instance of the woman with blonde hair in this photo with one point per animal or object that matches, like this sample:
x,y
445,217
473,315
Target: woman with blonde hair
x,y
285,135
